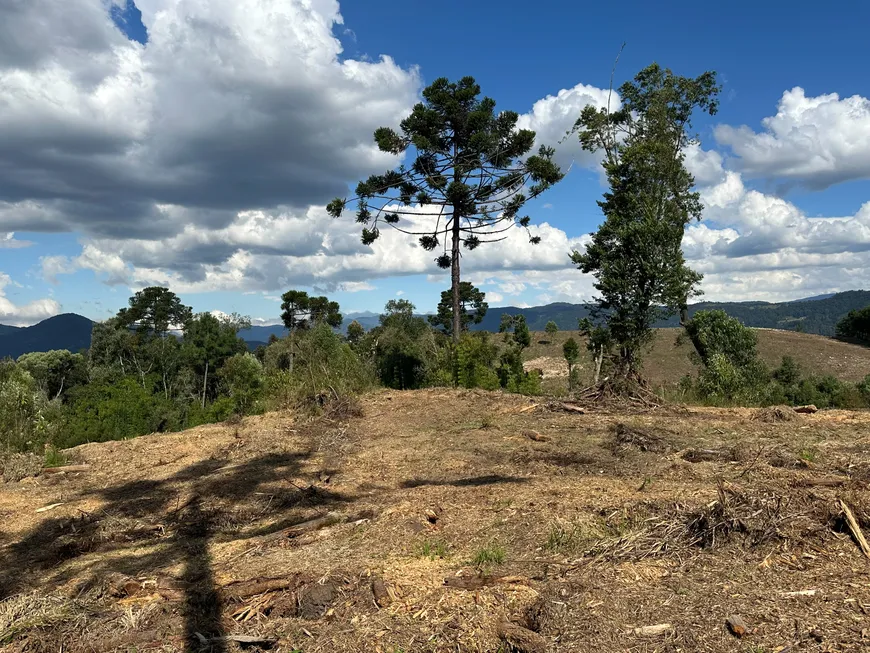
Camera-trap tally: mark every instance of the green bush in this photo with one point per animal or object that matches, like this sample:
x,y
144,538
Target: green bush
x,y
325,368
242,380
27,418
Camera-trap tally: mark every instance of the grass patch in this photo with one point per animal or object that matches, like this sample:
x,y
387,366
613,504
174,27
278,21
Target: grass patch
x,y
433,549
55,458
808,455
491,554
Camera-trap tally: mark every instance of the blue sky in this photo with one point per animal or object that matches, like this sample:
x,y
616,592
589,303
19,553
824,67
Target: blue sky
x,y
194,144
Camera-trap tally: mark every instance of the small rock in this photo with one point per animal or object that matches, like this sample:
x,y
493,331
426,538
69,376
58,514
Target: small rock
x,y
736,625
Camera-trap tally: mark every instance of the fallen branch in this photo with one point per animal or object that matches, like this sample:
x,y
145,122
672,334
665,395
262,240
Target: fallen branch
x,y
247,588
329,519
238,639
855,529
819,482
66,468
653,631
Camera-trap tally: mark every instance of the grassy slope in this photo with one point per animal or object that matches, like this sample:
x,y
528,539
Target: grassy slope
x,y
601,534
666,363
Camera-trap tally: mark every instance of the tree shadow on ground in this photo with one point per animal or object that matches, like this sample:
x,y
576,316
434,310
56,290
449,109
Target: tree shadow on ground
x,y
474,481
147,526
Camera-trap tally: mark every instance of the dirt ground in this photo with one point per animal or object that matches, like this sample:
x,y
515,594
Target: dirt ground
x,y
450,521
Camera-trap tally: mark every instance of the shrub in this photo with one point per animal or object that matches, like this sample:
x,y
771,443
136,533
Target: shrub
x,y
27,418
242,379
325,369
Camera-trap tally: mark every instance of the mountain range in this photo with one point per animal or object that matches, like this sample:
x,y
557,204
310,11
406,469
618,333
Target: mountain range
x,y
818,314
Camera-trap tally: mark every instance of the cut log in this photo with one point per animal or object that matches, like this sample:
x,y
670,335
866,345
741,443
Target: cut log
x,y
573,408
736,625
66,468
801,593
535,436
806,410
247,588
855,529
706,455
653,631
329,519
519,639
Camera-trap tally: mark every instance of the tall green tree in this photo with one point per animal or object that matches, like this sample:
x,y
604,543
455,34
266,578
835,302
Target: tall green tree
x,y
571,352
467,177
470,304
515,328
404,346
636,253
300,312
209,342
551,329
153,313
855,325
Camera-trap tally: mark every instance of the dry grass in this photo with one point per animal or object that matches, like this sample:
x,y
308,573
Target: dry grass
x,y
449,520
17,466
665,364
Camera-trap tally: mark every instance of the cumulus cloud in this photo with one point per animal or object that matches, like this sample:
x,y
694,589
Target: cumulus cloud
x,y
23,314
817,141
552,117
113,139
8,241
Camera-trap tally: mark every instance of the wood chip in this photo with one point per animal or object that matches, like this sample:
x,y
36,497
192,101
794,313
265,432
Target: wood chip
x,y
736,625
801,593
855,529
653,631
47,508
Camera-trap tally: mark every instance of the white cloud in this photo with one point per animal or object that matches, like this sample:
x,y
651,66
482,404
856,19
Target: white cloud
x,y
817,141
23,314
8,241
553,116
102,134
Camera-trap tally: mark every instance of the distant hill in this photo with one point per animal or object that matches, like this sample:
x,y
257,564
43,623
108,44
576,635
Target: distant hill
x,y
817,315
66,331
812,315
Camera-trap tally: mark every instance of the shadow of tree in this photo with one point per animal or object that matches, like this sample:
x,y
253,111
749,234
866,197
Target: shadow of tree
x,y
474,481
169,523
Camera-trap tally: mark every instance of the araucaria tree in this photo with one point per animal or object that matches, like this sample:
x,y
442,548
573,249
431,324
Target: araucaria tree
x,y
472,309
636,253
467,177
299,312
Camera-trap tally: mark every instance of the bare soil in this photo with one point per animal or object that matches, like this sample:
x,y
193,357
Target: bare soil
x,y
444,527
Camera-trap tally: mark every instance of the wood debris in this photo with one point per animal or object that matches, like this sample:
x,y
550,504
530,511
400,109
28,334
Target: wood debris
x,y
855,529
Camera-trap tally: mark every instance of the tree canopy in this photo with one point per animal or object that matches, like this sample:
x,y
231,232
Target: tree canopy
x,y
636,255
472,308
467,177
